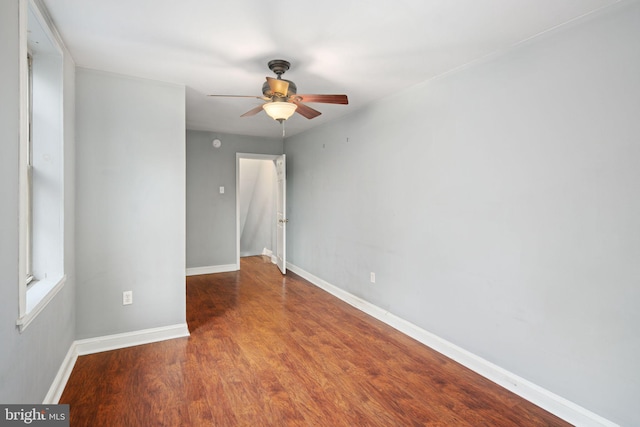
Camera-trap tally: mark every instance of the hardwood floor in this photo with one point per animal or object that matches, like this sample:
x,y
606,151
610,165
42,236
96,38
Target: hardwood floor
x,y
273,350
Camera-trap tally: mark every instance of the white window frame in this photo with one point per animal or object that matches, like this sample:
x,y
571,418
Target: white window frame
x,y
29,189
34,293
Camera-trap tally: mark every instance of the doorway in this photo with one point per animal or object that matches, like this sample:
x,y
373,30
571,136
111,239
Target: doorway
x,y
260,207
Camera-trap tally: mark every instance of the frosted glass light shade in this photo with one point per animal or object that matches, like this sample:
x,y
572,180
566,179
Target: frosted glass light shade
x,y
279,110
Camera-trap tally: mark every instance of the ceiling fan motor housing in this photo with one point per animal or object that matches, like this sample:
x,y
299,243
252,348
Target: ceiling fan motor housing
x,y
266,89
279,67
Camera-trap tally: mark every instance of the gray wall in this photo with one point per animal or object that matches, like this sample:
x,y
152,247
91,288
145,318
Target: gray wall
x,y
29,360
130,206
258,216
211,216
499,208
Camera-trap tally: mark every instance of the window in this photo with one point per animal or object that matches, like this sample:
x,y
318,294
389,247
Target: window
x,y
29,189
41,165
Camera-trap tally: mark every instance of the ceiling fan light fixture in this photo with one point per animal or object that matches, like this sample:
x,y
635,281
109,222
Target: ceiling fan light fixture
x,y
279,110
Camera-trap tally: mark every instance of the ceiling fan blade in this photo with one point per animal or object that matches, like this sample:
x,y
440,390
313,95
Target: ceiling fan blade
x,y
237,96
278,87
325,99
306,111
252,112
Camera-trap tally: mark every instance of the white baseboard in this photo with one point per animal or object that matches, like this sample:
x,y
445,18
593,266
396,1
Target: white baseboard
x,y
535,394
106,343
270,254
195,271
129,339
60,381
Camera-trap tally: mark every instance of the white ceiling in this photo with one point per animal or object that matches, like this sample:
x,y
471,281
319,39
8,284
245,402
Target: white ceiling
x,y
367,50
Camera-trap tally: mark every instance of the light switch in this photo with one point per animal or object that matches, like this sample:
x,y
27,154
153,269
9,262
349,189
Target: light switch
x,y
221,190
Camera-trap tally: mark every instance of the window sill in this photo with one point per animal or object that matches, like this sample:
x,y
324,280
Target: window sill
x,y
39,295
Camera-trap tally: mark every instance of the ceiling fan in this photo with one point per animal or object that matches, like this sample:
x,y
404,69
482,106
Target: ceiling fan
x,y
281,97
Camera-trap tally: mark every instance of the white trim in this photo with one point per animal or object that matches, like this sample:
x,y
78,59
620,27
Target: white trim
x,y
107,343
33,299
130,339
535,394
195,271
23,153
60,381
38,295
271,255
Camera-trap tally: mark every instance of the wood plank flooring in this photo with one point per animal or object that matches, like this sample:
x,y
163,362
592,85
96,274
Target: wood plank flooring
x,y
273,350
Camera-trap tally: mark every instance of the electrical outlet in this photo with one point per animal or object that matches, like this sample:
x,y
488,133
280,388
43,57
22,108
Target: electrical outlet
x,y
127,297
373,277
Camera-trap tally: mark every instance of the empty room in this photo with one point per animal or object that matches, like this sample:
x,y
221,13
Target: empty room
x,y
337,213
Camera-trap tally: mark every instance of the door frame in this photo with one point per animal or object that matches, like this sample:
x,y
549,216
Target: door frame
x,y
240,156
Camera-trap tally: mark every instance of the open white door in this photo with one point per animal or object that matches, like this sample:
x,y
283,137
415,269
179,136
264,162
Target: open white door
x,y
281,229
